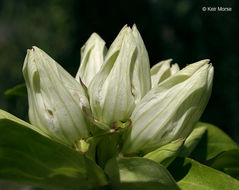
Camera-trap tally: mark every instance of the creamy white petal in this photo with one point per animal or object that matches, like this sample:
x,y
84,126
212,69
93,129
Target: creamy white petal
x,y
55,98
92,58
141,81
174,69
110,93
160,72
170,110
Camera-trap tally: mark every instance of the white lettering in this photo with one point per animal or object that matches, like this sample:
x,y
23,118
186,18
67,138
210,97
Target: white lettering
x,y
224,9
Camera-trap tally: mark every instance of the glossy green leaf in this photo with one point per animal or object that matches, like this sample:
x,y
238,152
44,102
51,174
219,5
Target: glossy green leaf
x,y
7,116
138,173
213,142
28,157
192,141
19,90
191,175
227,162
167,153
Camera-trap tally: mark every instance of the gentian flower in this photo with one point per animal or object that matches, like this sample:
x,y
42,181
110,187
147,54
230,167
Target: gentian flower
x,y
170,110
123,79
55,98
114,87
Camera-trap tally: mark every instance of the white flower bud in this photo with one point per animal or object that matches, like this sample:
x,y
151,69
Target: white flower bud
x,y
55,98
123,79
110,93
162,71
92,58
174,69
141,82
170,110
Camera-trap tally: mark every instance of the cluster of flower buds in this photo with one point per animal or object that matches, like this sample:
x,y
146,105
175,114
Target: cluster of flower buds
x,y
113,87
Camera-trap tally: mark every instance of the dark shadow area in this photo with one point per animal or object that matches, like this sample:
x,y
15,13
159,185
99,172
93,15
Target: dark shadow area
x,y
200,151
178,169
142,186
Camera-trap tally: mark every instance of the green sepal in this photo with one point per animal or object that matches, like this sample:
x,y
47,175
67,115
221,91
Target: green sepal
x,y
101,125
138,173
82,145
192,141
122,125
167,153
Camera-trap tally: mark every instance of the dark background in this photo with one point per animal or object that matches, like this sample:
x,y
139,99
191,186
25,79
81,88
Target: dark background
x,y
170,29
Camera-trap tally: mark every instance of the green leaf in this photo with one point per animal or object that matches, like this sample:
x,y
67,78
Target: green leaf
x,y
192,141
167,153
7,116
227,162
139,173
28,157
213,142
190,174
19,90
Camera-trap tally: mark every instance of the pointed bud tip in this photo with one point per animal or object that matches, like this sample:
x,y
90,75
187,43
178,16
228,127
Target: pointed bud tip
x,y
134,27
190,69
94,36
35,48
202,62
28,59
126,29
